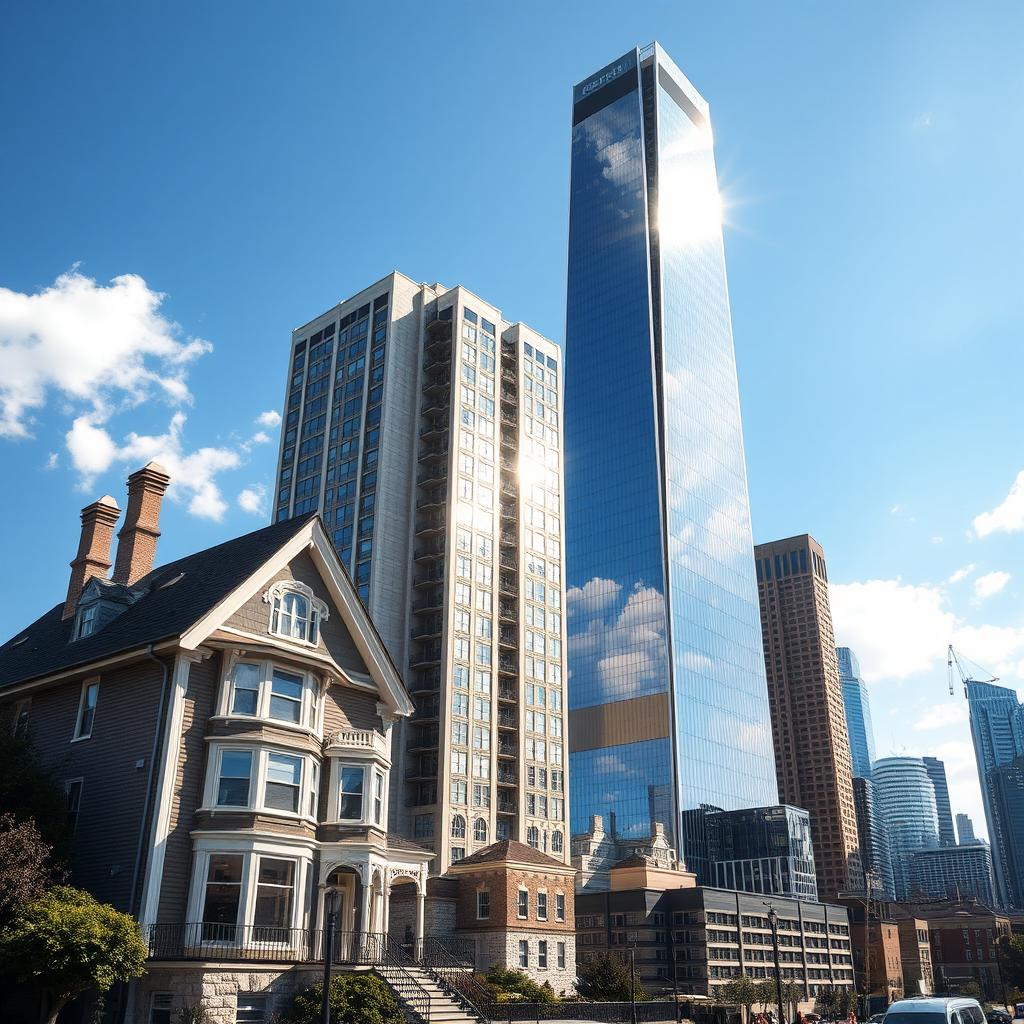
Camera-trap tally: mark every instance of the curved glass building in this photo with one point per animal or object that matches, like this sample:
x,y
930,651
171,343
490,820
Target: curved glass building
x,y
667,691
857,705
906,800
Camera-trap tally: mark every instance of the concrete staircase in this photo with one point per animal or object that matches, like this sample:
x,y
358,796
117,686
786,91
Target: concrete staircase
x,y
443,1009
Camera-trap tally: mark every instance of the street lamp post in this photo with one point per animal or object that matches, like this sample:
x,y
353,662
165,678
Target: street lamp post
x,y
773,923
632,981
330,920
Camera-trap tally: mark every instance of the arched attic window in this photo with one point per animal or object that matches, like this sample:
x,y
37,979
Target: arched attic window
x,y
294,612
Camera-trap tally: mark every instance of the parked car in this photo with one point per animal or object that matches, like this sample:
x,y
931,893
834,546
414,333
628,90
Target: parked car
x,y
998,1017
935,1011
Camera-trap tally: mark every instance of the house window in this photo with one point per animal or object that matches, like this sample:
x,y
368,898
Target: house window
x,y
480,831
560,954
284,776
350,807
483,905
233,782
542,906
559,906
73,801
160,1008
458,852
378,798
524,953
458,827
314,788
295,613
222,897
286,697
533,837
251,1008
522,904
542,954
246,689
86,710
557,843
275,885
86,622
19,724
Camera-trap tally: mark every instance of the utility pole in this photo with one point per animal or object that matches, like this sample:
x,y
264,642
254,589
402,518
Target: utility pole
x,y
330,920
773,923
632,980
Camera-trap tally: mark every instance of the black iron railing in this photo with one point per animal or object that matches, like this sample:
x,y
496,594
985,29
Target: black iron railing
x,y
450,963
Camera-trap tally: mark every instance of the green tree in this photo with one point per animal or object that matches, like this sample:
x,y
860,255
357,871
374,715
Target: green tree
x,y
742,992
30,791
24,865
65,943
1010,955
354,999
606,979
826,1002
517,986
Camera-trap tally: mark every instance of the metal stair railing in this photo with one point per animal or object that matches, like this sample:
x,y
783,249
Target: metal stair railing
x,y
454,973
391,956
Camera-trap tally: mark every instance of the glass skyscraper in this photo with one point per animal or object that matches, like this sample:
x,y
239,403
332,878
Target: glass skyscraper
x,y
667,692
858,713
936,770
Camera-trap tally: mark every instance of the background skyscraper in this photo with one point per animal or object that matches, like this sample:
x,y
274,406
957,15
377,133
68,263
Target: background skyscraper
x,y
422,401
906,797
857,706
997,729
812,747
667,681
936,770
873,840
953,873
965,829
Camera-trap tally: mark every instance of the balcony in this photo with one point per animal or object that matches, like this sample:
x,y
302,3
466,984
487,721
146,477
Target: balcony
x,y
431,522
431,602
506,806
507,718
438,376
508,463
432,451
433,472
423,770
509,439
507,584
509,488
509,394
508,611
509,638
359,741
438,332
510,418
431,578
433,498
435,427
437,402
426,680
508,664
508,693
508,372
428,654
424,738
507,748
429,626
509,560
430,549
506,775
510,511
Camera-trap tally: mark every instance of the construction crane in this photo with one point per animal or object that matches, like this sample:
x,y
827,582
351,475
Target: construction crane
x,y
952,658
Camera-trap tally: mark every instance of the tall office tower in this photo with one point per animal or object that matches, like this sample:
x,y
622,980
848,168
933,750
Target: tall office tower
x,y
936,770
873,841
965,830
906,798
1006,790
997,728
421,402
812,746
953,873
669,708
857,706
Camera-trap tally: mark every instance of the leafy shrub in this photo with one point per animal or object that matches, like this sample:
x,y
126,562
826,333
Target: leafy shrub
x,y
514,986
354,998
606,979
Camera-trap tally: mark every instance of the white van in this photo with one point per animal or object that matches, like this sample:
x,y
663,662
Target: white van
x,y
935,1011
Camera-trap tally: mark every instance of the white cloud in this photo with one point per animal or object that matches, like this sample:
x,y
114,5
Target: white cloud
x,y
1007,516
923,121
941,715
193,474
92,344
52,460
595,596
253,499
989,584
961,574
897,629
270,418
259,438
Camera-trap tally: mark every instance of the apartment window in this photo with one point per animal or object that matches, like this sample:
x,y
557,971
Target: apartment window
x,y
458,827
522,904
483,905
251,1008
458,852
480,831
542,954
222,897
160,1008
533,837
524,953
350,804
73,801
459,791
295,613
559,906
560,955
87,710
284,776
542,906
275,885
233,780
423,826
557,843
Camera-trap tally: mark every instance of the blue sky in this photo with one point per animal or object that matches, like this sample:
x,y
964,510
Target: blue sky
x,y
254,162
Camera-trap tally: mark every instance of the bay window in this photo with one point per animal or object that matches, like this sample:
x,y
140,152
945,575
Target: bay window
x,y
233,783
261,779
285,696
283,778
275,888
350,804
260,689
378,798
222,897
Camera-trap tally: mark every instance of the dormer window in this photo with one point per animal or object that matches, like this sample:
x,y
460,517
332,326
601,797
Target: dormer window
x,y
295,613
85,623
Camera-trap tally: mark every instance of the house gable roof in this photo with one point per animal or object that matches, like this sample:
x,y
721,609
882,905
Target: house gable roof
x,y
190,597
509,850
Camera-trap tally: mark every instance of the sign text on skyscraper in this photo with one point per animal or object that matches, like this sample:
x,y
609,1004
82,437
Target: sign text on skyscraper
x,y
609,73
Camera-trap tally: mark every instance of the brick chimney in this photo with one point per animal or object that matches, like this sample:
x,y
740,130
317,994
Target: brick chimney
x,y
136,543
93,559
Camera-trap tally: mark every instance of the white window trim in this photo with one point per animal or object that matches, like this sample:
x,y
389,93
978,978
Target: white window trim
x,y
318,610
479,893
521,916
257,780
564,907
542,944
544,893
250,850
310,684
372,768
93,607
81,792
76,736
22,707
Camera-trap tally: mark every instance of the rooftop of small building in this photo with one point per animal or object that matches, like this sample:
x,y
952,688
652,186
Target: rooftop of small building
x,y
510,850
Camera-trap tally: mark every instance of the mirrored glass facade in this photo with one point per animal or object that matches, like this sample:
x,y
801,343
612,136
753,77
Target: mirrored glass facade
x,y
667,688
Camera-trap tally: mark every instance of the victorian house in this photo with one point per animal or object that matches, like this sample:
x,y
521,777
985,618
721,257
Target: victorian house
x,y
221,726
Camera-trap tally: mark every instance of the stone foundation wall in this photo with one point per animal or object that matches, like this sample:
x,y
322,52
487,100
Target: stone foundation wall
x,y
501,949
216,989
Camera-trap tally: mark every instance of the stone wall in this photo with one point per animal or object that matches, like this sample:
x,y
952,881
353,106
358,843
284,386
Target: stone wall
x,y
501,949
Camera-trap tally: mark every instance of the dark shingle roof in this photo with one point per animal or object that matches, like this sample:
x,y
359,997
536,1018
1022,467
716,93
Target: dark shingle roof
x,y
177,596
397,842
509,849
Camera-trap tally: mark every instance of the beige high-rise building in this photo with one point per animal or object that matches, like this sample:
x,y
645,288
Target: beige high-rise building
x,y
426,429
812,747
